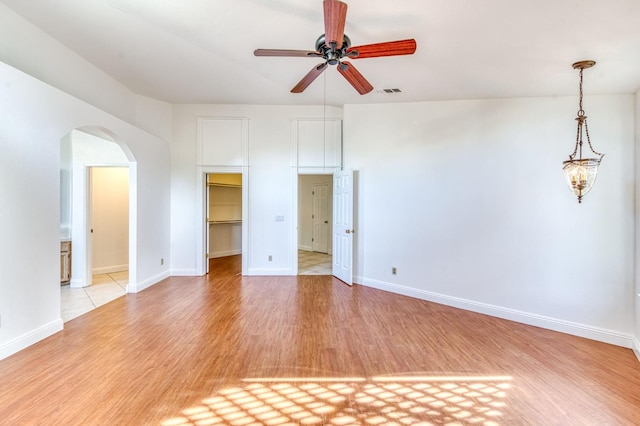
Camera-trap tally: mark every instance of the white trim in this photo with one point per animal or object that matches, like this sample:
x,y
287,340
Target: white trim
x,y
184,273
271,271
636,347
30,338
76,283
305,248
138,287
110,269
568,327
295,213
202,171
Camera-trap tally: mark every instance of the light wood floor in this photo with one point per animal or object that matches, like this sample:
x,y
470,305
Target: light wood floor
x,y
231,350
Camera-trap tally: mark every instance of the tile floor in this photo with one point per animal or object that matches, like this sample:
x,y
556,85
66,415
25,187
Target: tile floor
x,y
312,263
105,288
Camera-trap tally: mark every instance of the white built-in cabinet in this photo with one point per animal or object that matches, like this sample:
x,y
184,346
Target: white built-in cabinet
x,y
223,141
224,214
317,145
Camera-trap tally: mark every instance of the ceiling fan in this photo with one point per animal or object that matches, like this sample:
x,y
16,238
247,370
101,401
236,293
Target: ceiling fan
x,y
334,45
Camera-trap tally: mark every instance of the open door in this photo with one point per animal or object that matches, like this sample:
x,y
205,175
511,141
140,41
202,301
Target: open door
x,y
343,226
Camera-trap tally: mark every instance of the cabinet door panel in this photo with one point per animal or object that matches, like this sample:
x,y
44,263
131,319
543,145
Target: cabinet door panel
x,y
318,143
222,141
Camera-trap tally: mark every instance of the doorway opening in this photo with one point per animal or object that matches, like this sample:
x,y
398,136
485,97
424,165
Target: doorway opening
x,y
223,203
95,188
315,223
109,233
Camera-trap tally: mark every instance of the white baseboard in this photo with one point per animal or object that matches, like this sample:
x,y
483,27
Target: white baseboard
x,y
270,271
76,283
308,248
109,269
636,347
30,338
138,287
225,253
568,327
183,273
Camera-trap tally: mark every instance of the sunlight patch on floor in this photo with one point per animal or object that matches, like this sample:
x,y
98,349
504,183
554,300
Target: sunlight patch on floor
x,y
388,400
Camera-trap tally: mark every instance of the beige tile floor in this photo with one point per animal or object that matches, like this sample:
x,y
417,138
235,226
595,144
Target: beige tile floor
x,y
104,289
312,263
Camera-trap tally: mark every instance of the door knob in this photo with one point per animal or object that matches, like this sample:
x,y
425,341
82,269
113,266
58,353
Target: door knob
x,y
350,231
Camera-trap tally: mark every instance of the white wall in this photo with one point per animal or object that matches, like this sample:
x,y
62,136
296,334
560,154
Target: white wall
x,y
41,56
271,183
35,117
467,199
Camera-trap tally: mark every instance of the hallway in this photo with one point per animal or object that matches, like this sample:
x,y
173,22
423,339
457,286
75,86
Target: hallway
x,y
313,263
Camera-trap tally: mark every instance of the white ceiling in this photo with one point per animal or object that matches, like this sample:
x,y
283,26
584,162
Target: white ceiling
x,y
201,51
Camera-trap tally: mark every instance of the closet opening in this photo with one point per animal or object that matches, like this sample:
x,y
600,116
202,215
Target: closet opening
x,y
223,222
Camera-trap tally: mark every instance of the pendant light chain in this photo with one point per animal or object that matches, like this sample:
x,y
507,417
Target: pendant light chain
x,y
580,173
581,110
583,119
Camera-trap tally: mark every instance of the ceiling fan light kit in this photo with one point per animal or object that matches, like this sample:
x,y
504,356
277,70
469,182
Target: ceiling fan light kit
x,y
334,45
580,173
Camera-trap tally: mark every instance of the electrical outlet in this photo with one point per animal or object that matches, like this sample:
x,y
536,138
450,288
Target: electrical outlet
x,y
394,270
270,258
162,261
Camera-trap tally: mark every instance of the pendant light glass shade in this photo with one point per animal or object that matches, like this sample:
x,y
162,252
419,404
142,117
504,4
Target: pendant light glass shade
x,y
579,172
581,175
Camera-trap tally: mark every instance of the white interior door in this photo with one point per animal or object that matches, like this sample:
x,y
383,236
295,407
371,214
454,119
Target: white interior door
x,y
343,226
320,239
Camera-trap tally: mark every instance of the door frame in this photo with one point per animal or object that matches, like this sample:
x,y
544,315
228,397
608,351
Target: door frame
x,y
80,207
296,172
201,214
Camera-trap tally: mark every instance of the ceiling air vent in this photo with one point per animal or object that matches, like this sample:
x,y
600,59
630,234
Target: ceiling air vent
x,y
389,91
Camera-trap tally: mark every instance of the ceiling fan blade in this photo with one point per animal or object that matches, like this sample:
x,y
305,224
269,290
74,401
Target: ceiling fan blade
x,y
335,16
308,79
354,77
285,52
390,48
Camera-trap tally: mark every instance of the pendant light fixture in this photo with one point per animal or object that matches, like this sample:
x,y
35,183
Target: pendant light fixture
x,y
579,172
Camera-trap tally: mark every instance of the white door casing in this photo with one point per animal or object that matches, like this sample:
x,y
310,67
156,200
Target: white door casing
x,y
343,226
320,219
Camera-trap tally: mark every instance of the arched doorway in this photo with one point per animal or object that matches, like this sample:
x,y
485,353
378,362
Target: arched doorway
x,y
96,166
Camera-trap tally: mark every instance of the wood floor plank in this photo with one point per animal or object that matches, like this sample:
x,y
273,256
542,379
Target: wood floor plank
x,y
230,350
